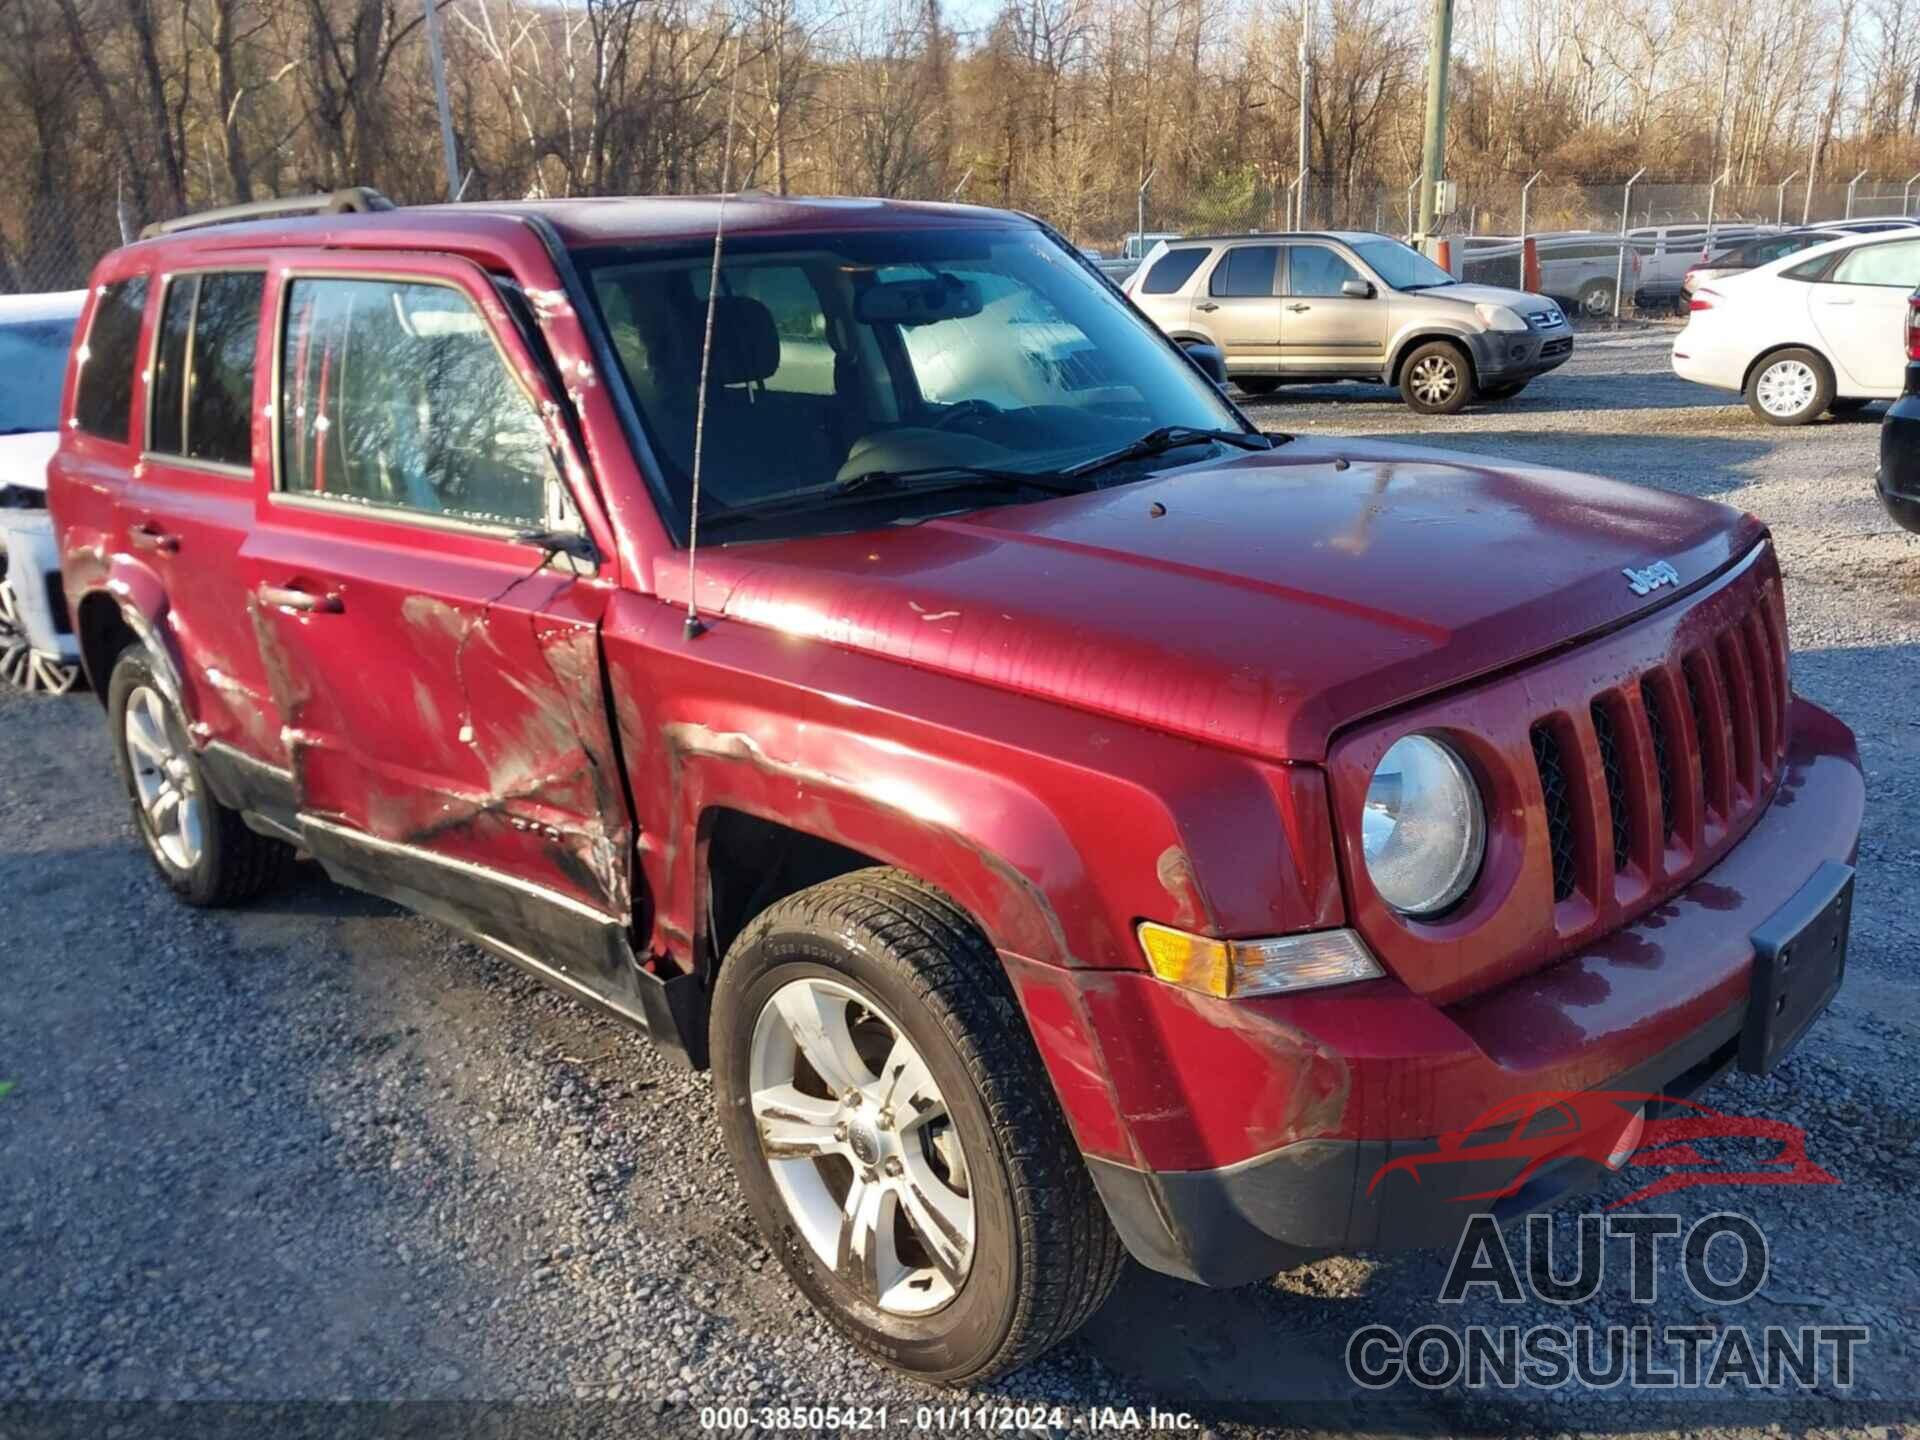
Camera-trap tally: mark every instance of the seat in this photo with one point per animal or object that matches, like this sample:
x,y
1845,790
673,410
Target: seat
x,y
758,442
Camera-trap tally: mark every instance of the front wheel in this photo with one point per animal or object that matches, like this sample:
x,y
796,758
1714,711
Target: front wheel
x,y
1257,384
896,1136
1436,379
1791,387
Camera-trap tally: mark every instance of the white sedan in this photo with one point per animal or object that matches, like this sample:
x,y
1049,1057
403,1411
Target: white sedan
x,y
1824,329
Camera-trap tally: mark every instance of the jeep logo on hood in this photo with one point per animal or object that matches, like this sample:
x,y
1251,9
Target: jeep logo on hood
x,y
1645,582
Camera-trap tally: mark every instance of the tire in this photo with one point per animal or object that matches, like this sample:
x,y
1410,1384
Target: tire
x,y
1790,387
216,860
1257,384
895,960
1503,392
1437,379
1848,405
1596,299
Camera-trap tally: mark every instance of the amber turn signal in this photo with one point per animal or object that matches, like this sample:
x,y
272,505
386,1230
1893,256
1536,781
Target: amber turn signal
x,y
1230,969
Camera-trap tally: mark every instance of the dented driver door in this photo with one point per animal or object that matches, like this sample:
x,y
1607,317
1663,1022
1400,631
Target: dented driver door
x,y
438,669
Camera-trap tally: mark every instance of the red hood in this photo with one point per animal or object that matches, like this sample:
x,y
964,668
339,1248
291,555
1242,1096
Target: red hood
x,y
1279,598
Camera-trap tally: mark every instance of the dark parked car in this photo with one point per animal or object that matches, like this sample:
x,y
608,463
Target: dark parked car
x,y
1899,481
1071,821
1751,254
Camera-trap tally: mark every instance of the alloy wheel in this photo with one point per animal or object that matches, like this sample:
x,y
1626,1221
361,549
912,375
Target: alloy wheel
x,y
1786,387
164,781
861,1146
21,666
1434,379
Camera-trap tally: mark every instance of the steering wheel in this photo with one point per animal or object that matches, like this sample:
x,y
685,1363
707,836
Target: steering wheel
x,y
963,410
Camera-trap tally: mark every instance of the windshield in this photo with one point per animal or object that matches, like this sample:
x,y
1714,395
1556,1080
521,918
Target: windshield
x,y
33,357
1401,266
841,355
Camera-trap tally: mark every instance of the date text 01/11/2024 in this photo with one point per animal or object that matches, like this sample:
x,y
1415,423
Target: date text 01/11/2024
x,y
1012,1419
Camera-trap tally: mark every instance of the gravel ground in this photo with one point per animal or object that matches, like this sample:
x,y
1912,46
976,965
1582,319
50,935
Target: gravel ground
x,y
322,1150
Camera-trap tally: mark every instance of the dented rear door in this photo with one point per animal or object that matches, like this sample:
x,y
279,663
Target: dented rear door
x,y
437,670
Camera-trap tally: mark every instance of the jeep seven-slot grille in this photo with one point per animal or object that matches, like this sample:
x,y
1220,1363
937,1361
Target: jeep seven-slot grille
x,y
1692,747
1656,704
1553,785
1614,769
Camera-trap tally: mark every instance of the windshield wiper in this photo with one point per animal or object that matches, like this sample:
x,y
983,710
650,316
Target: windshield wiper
x,y
927,480
1167,437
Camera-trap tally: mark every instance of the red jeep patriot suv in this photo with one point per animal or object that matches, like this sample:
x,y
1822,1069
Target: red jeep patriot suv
x,y
1072,822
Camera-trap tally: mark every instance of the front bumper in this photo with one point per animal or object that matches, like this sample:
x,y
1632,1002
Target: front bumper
x,y
1373,1073
1503,356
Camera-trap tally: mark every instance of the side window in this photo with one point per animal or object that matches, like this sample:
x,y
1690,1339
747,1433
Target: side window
x,y
202,392
1890,262
167,395
103,403
1172,270
1316,270
220,372
393,395
1245,271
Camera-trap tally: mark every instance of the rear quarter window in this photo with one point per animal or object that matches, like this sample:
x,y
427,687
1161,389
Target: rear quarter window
x,y
1172,270
1894,263
103,399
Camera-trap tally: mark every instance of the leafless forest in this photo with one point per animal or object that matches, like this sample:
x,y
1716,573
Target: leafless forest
x,y
126,110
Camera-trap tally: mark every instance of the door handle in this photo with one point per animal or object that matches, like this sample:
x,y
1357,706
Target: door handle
x,y
1206,307
147,536
1298,308
1836,299
287,598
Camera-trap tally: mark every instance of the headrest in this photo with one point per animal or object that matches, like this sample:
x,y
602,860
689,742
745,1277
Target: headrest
x,y
746,345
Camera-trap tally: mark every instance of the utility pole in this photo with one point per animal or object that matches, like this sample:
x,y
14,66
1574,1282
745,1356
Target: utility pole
x,y
1306,90
1433,154
437,62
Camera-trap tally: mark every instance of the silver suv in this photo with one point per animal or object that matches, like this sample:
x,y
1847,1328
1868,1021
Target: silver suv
x,y
1349,305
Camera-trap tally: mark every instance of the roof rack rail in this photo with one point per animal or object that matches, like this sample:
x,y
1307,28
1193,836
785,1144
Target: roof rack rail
x,y
357,200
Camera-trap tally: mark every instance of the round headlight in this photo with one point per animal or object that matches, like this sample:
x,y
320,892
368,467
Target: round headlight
x,y
1423,830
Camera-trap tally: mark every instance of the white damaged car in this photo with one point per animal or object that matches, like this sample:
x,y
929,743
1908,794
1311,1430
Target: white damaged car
x,y
37,646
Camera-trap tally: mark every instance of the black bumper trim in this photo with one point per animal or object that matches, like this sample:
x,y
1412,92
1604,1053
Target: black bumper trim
x,y
1307,1200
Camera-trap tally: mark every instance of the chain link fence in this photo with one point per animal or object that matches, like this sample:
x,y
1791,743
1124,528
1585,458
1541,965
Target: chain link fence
x,y
53,243
1505,207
